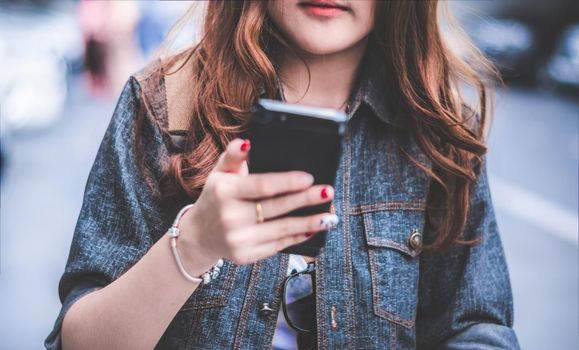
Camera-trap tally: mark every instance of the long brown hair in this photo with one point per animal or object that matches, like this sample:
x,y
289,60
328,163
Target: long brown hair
x,y
236,57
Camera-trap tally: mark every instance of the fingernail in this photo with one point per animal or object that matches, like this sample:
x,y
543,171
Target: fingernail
x,y
329,220
245,145
325,193
309,234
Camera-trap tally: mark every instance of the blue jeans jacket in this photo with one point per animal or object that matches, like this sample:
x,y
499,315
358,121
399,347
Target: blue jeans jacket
x,y
376,289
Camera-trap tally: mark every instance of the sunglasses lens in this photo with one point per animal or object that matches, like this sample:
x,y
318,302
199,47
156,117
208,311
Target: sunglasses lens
x,y
300,301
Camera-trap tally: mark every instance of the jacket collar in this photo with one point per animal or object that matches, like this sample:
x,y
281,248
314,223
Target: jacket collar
x,y
370,91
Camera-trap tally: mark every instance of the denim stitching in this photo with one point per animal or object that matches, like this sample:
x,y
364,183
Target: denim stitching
x,y
393,336
368,226
348,274
381,206
249,297
320,302
388,243
281,261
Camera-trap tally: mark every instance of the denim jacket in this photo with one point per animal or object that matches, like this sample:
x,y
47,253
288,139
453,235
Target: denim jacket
x,y
375,287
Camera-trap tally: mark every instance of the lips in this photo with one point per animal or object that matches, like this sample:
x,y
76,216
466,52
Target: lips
x,y
325,4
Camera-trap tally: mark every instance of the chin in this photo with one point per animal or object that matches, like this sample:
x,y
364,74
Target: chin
x,y
323,45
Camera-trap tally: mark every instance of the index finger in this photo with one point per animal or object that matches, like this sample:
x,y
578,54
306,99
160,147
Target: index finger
x,y
262,185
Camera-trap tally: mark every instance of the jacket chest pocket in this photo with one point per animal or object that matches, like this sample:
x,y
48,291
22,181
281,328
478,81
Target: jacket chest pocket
x,y
216,293
394,240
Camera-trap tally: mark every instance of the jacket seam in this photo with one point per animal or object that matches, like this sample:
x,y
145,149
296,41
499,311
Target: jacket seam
x,y
272,322
248,300
393,336
382,206
347,246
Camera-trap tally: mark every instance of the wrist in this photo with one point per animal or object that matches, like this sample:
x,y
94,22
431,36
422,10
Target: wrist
x,y
195,256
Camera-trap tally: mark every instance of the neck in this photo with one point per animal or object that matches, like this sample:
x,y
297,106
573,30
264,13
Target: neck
x,y
332,77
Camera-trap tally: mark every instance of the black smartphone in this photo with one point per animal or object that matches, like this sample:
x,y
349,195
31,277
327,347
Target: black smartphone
x,y
288,137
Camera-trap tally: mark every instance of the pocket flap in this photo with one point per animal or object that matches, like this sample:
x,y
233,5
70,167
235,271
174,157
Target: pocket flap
x,y
396,229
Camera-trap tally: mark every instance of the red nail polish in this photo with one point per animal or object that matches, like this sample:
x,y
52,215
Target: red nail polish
x,y
245,145
324,192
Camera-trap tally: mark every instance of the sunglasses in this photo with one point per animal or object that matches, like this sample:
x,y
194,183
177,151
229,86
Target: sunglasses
x,y
299,300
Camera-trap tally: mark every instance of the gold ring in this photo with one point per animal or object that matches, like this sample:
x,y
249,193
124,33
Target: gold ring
x,y
259,211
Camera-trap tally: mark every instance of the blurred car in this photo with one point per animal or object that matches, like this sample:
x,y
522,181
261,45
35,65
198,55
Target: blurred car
x,y
511,45
39,46
562,69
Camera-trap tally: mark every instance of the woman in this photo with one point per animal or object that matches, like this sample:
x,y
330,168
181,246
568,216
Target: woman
x,y
415,260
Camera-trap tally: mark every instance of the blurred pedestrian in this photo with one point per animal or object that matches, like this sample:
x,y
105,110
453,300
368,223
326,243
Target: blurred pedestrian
x,y
108,29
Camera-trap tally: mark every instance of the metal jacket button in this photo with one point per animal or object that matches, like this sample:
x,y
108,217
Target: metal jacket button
x,y
415,239
265,308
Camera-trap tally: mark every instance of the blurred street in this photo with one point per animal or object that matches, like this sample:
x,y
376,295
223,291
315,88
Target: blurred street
x,y
534,152
62,64
533,161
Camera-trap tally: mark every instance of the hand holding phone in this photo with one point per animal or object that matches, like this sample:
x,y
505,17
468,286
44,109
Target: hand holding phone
x,y
287,137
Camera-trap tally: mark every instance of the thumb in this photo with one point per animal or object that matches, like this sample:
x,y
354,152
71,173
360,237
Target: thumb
x,y
234,156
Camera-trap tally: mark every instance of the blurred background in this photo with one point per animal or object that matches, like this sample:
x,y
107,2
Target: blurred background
x,y
63,63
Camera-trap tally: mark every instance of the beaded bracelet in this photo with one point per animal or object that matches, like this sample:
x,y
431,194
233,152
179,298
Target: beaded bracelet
x,y
174,234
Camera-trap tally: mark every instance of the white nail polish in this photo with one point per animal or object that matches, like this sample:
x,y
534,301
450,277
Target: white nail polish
x,y
329,220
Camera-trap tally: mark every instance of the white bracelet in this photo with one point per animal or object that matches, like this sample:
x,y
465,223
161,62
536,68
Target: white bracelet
x,y
174,234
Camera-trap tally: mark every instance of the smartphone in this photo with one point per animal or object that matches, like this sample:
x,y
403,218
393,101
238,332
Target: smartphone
x,y
288,137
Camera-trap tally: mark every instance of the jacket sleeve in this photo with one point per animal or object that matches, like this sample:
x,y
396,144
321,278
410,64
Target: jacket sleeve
x,y
120,217
465,298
